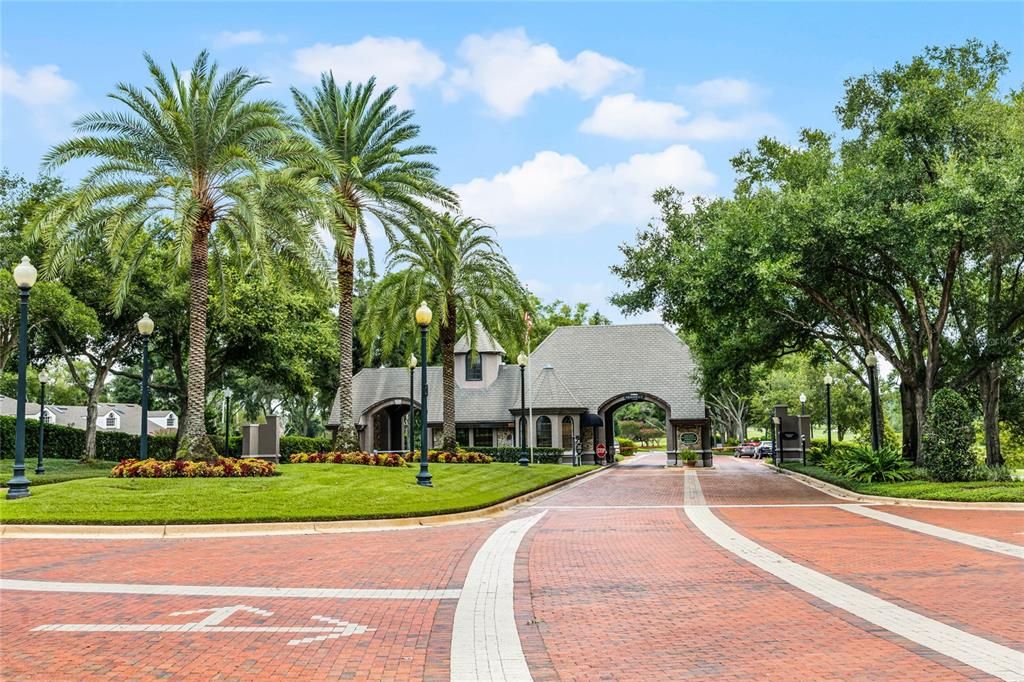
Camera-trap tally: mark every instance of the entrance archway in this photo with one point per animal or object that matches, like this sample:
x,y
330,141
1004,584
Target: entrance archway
x,y
387,424
609,408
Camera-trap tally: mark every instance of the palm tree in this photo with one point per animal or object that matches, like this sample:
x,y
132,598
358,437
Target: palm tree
x,y
375,168
191,160
455,265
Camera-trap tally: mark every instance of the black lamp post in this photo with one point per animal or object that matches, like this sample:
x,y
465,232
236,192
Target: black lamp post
x,y
524,461
423,318
145,326
44,379
777,442
871,360
24,278
227,421
412,371
803,413
828,408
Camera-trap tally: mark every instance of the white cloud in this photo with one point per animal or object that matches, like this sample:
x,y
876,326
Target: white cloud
x,y
721,91
394,61
39,86
626,117
226,39
555,192
506,69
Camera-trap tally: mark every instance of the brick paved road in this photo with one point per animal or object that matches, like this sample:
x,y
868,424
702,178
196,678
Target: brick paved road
x,y
608,578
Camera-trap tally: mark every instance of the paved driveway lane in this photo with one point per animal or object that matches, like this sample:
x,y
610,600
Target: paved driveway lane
x,y
640,594
1005,525
739,481
959,585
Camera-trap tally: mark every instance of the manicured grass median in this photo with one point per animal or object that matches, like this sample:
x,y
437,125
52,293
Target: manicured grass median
x,y
57,470
971,491
303,492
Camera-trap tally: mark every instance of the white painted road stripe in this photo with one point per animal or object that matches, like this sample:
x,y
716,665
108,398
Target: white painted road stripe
x,y
485,639
1009,549
225,590
692,492
989,657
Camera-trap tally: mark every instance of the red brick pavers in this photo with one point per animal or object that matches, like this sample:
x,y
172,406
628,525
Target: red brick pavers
x,y
738,481
411,637
965,587
1005,525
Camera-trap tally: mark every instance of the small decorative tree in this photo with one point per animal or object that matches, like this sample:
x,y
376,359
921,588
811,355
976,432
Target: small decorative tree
x,y
949,437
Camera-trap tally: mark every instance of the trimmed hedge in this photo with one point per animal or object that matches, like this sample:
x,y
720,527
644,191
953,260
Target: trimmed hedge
x,y
817,449
65,442
627,447
510,454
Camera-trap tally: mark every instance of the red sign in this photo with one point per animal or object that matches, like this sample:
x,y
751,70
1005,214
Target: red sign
x,y
601,450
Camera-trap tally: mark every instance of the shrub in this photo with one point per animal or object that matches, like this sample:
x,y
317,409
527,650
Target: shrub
x,y
626,446
391,459
983,472
817,449
949,437
65,442
732,442
510,454
222,467
459,457
866,465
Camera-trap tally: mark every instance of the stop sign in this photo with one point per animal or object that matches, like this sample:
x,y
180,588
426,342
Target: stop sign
x,y
601,450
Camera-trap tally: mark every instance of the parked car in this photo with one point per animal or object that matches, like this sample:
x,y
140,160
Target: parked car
x,y
747,449
764,449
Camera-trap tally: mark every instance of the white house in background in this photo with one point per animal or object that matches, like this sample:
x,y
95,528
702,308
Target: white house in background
x,y
123,417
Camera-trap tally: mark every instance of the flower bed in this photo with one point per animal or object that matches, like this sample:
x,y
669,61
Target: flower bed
x,y
221,467
365,458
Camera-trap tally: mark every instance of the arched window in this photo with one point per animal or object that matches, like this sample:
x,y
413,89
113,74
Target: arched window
x,y
543,432
111,420
567,433
170,420
47,417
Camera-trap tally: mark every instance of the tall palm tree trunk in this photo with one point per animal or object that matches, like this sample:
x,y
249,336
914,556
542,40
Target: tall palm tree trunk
x,y
447,334
345,439
197,444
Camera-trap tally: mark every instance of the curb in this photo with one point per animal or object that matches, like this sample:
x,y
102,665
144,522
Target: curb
x,y
218,530
845,494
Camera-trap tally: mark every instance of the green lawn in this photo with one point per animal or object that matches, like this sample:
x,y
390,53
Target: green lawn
x,y
57,470
973,491
303,492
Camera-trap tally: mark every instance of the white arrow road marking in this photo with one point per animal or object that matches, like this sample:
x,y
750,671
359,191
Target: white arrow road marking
x,y
212,623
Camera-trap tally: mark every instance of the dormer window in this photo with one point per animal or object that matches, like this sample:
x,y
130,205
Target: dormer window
x,y
474,367
111,422
47,417
170,420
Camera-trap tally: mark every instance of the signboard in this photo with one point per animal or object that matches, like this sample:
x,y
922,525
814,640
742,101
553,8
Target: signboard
x,y
689,438
601,450
790,435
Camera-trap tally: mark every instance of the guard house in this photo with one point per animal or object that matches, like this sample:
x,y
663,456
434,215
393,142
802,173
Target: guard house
x,y
578,378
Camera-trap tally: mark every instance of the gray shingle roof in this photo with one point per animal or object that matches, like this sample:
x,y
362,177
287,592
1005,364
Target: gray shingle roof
x,y
589,366
130,414
485,343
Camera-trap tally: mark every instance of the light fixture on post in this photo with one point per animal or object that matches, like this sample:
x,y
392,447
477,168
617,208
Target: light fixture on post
x,y
412,410
227,421
524,461
423,318
803,413
44,379
871,361
145,326
828,408
777,446
25,278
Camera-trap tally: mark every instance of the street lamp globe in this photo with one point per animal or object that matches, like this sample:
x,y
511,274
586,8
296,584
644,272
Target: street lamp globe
x,y
44,378
145,325
803,398
412,361
522,359
829,380
871,359
423,314
25,274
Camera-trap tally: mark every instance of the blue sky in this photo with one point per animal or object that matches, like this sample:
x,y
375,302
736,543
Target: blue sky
x,y
555,122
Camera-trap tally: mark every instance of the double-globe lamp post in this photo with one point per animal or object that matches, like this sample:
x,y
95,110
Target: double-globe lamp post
x,y
871,360
412,410
145,326
524,461
828,408
44,379
423,318
24,277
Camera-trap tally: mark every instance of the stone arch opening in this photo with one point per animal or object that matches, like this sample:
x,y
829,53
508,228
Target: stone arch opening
x,y
607,411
